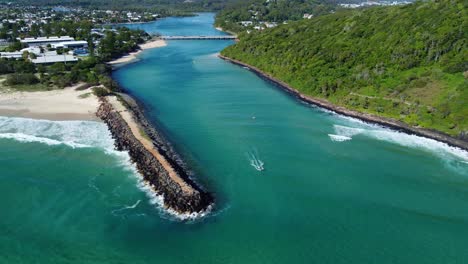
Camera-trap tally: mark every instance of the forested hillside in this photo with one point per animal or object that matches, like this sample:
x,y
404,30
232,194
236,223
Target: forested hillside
x,y
408,62
269,10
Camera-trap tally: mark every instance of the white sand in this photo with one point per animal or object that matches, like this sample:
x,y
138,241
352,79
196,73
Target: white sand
x,y
63,104
158,43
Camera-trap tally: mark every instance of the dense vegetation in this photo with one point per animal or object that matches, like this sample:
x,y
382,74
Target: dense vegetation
x,y
58,75
269,10
408,62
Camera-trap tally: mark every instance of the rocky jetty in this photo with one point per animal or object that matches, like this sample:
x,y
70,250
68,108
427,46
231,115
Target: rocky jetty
x,y
460,142
157,162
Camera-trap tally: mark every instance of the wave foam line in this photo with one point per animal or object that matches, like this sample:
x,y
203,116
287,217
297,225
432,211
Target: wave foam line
x,y
81,134
75,134
338,138
127,207
20,137
403,139
158,200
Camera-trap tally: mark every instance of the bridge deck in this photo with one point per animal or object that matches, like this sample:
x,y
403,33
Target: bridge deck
x,y
227,37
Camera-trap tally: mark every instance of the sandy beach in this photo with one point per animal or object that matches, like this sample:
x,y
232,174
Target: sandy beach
x,y
133,55
65,104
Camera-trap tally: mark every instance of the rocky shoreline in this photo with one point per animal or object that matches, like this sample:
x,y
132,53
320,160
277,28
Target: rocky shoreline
x,y
387,122
159,165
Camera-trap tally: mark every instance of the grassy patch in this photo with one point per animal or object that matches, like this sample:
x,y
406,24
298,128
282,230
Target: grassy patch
x,y
24,87
101,91
31,87
2,79
85,95
143,134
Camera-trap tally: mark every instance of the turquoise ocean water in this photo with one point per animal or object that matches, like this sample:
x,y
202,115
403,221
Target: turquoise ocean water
x,y
333,189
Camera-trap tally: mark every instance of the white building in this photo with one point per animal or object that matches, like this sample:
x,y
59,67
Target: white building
x,y
11,55
44,41
54,58
4,42
34,50
77,44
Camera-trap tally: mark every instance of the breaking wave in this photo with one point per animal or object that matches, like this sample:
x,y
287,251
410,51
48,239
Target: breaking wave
x,y
167,213
343,133
20,137
338,138
74,134
84,134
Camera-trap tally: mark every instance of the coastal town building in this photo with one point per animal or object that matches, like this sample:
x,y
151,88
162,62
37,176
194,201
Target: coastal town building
x,y
77,44
54,58
4,43
44,41
19,54
270,24
374,3
11,55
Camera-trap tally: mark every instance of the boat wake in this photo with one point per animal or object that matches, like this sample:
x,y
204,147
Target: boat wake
x,y
255,161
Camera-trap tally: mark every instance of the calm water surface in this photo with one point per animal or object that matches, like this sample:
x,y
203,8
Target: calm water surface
x,y
334,190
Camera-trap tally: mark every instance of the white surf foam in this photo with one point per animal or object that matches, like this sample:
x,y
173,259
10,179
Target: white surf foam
x,y
347,131
75,134
20,137
414,141
158,200
338,138
81,134
400,138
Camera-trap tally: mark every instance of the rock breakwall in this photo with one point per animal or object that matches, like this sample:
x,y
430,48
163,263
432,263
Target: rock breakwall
x,y
159,165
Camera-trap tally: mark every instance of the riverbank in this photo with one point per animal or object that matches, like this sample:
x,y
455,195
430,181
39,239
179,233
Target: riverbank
x,y
157,162
228,32
64,104
387,122
155,43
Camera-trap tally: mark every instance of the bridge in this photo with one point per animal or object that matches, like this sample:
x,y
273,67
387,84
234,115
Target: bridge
x,y
226,37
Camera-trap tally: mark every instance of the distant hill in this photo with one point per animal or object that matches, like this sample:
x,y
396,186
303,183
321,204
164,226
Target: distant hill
x,y
256,11
409,62
269,10
181,5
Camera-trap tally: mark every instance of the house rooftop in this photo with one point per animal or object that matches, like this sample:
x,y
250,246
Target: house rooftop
x,y
46,39
54,59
